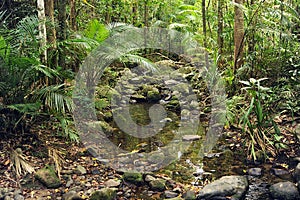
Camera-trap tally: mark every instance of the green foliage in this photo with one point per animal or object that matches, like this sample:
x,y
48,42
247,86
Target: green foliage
x,y
97,31
257,122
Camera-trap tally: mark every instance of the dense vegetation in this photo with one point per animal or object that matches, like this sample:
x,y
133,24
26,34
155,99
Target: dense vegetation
x,y
255,45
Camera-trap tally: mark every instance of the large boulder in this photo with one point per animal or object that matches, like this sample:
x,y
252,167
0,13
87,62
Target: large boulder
x,y
48,177
297,173
227,186
285,191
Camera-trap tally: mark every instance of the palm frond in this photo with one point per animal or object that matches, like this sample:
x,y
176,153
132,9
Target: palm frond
x,y
57,157
19,162
55,98
144,62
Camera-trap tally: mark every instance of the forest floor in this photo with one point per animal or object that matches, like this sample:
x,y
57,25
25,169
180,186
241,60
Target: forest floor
x,y
35,148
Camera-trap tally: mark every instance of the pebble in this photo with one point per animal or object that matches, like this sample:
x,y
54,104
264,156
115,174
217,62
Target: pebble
x,y
19,197
191,137
282,173
255,171
170,194
112,183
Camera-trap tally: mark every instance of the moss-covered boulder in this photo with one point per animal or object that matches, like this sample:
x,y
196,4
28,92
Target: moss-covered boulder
x,y
104,194
158,185
133,177
153,95
48,177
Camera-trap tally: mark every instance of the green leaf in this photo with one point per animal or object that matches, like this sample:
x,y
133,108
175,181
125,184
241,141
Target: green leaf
x,y
96,31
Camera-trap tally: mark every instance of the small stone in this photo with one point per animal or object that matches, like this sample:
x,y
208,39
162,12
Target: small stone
x,y
80,170
88,184
284,190
282,173
255,171
7,198
149,178
177,189
104,194
19,197
72,195
297,173
189,195
112,183
158,185
191,137
170,194
69,182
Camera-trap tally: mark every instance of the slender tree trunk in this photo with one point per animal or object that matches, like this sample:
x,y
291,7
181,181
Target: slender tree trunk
x,y
108,14
204,31
73,24
220,31
251,44
146,13
51,34
62,30
134,12
204,23
42,30
238,35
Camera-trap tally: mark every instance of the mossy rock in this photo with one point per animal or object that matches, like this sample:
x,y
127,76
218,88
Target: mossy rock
x,y
133,177
158,185
104,194
48,177
153,95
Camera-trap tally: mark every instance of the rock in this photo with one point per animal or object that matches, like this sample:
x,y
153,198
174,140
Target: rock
x,y
255,171
48,177
132,177
297,131
189,195
80,170
234,186
171,82
297,173
190,137
19,197
70,182
176,198
158,185
136,80
153,95
3,192
112,183
149,178
282,173
169,194
285,191
104,194
7,198
72,195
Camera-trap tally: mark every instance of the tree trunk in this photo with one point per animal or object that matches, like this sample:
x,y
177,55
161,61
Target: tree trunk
x,y
51,34
134,12
146,13
61,30
204,31
73,16
42,30
220,31
238,35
